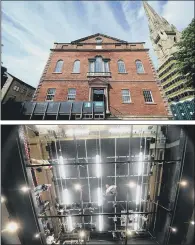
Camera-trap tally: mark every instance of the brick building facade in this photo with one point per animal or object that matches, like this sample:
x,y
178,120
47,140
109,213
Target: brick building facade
x,y
102,68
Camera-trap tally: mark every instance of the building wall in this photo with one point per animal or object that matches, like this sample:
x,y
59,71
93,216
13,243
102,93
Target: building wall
x,y
130,80
25,92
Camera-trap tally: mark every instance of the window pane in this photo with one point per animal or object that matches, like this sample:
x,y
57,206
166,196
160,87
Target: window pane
x,y
126,96
98,65
76,67
91,66
121,66
71,94
59,65
106,66
139,67
98,40
147,96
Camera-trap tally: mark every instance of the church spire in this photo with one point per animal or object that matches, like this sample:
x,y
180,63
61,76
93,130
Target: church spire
x,y
153,18
162,34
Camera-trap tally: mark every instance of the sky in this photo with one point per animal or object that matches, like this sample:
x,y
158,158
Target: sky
x,y
30,28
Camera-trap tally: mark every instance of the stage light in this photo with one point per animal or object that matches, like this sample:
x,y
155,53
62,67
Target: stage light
x,y
132,184
70,226
66,197
77,187
129,232
140,163
25,189
183,183
98,166
192,222
99,196
82,234
173,229
37,235
100,223
138,190
3,199
12,227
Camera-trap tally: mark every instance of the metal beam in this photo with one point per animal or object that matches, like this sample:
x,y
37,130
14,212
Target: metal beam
x,y
94,214
90,163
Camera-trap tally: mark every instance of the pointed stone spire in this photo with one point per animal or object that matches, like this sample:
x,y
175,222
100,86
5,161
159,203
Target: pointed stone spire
x,y
162,34
153,18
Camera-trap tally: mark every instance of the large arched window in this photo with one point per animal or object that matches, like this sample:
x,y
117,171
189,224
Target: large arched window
x,y
139,66
121,66
59,65
76,66
99,65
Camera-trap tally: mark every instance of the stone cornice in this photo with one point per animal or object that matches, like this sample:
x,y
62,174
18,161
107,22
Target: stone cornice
x,y
87,80
99,50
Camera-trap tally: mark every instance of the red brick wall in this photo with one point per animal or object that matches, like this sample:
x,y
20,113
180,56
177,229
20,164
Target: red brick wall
x,y
132,81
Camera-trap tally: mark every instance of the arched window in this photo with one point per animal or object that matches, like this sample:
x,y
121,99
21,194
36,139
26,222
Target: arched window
x,y
121,66
99,65
76,66
59,65
139,66
98,40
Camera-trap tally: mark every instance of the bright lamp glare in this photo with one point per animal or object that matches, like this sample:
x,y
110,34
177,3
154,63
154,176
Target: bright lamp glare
x,y
138,189
25,189
12,227
192,222
132,184
70,226
77,132
77,187
98,166
183,183
37,235
140,164
2,199
82,234
100,223
129,232
99,196
173,229
66,197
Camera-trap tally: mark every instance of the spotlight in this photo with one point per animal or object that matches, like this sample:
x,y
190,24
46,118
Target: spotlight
x,y
183,183
37,235
24,189
132,184
12,227
173,229
192,222
129,232
82,234
77,187
2,199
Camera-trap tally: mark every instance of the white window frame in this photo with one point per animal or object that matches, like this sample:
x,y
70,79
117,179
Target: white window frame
x,y
122,72
70,95
125,96
61,66
50,94
137,68
148,102
98,39
74,67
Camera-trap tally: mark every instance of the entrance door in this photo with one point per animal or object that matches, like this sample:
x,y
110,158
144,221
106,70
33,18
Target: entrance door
x,y
98,95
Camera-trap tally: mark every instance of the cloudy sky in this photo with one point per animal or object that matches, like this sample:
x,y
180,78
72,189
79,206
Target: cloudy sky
x,y
29,28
